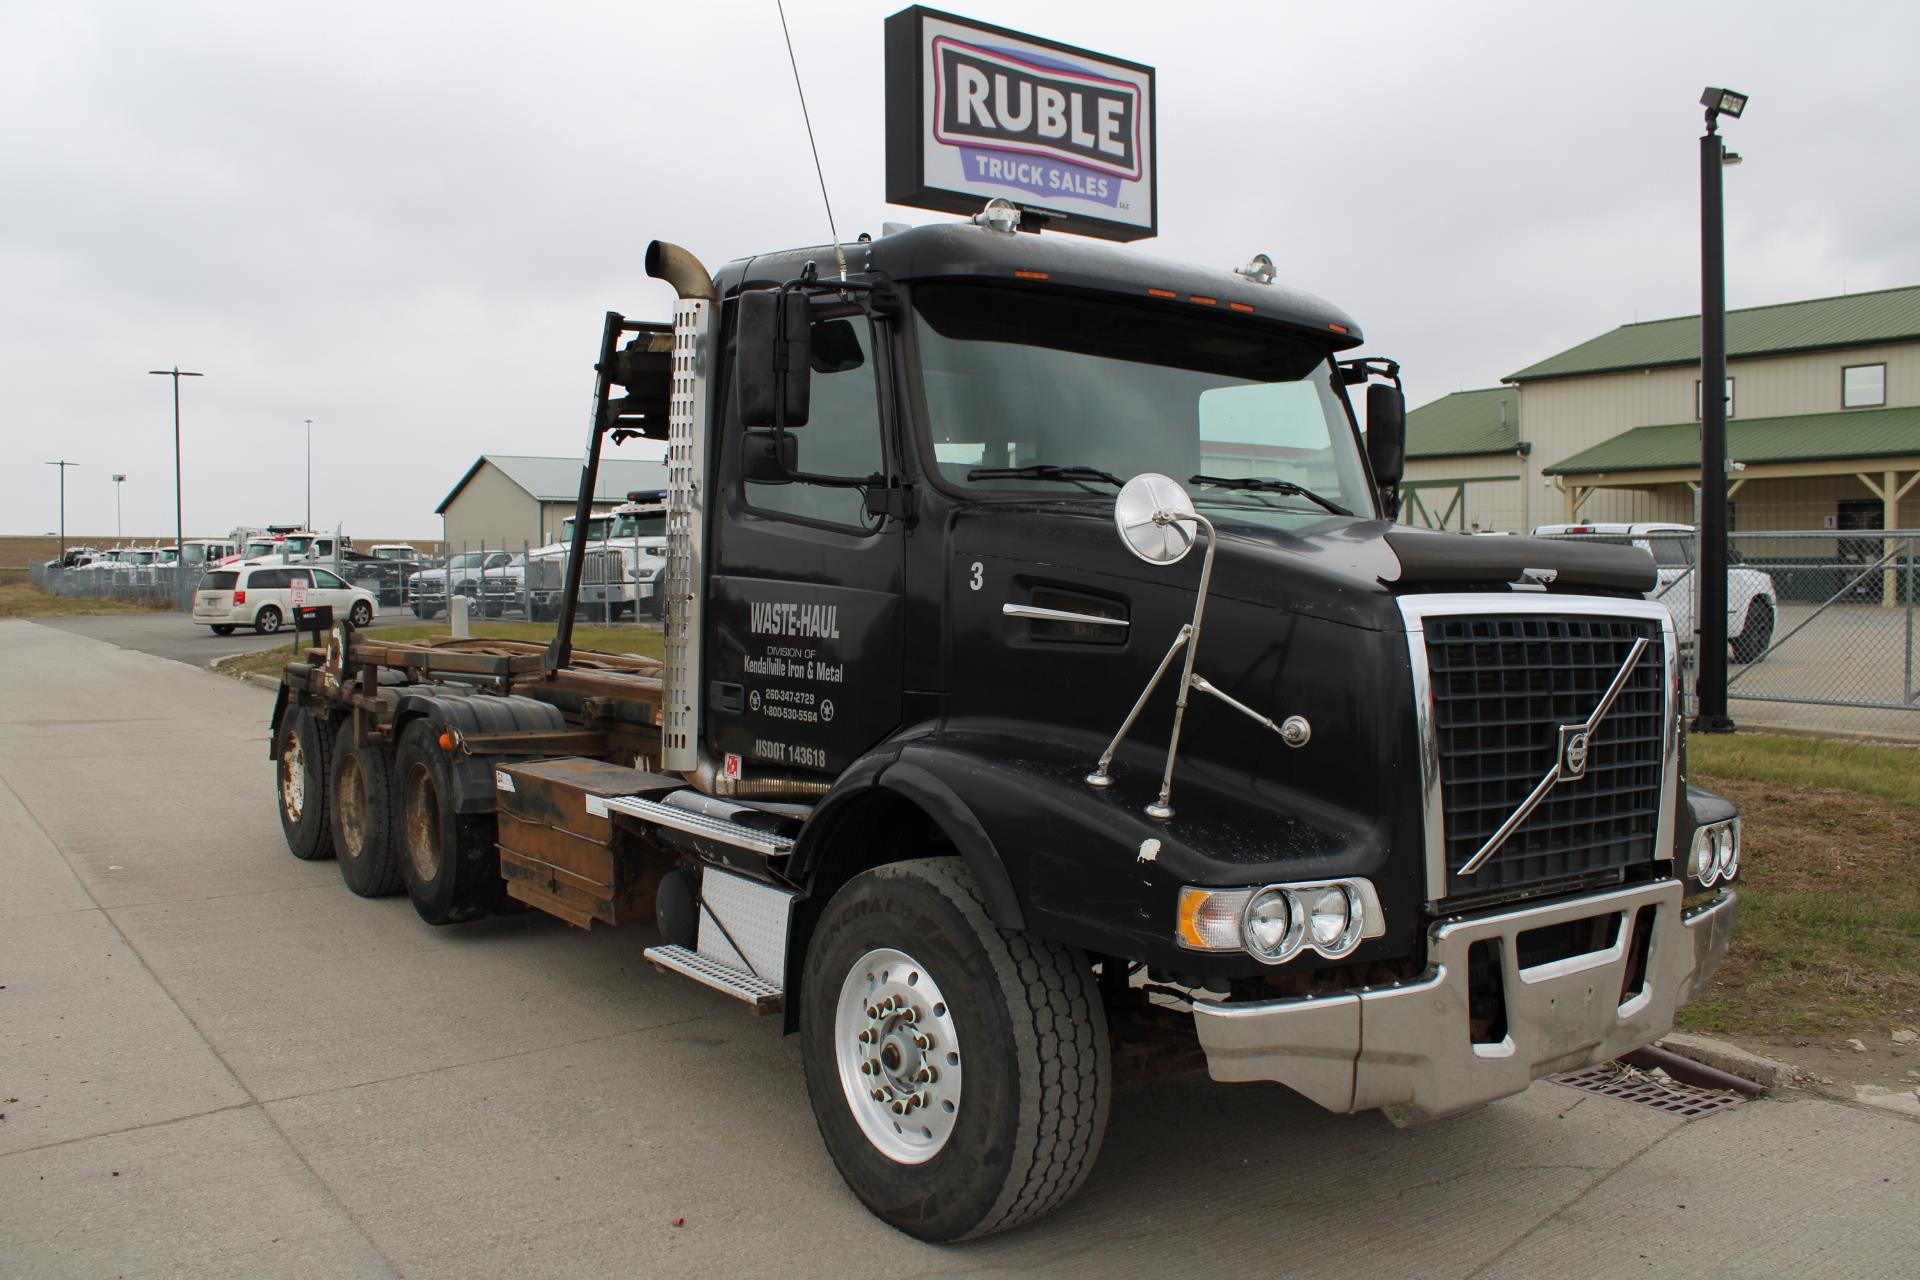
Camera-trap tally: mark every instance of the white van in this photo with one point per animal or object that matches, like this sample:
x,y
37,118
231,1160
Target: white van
x,y
261,597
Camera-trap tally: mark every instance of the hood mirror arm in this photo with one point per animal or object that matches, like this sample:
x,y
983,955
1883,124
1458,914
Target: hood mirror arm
x,y
1152,503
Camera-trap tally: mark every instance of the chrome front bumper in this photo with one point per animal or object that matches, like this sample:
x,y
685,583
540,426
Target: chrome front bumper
x,y
1407,1048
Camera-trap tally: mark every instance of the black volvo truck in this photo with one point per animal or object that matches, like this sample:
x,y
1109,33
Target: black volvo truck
x,y
1047,689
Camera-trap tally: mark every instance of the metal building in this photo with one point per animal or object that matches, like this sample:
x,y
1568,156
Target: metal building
x,y
509,500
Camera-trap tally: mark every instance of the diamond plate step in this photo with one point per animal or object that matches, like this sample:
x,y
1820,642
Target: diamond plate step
x,y
764,996
699,824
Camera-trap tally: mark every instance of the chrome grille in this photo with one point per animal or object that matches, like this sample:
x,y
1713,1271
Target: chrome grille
x,y
604,567
546,573
1502,685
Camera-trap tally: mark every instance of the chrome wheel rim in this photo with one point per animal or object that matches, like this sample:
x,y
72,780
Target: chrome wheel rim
x,y
293,778
898,1055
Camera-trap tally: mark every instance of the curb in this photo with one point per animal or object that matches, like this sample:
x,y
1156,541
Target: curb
x,y
260,681
1731,1059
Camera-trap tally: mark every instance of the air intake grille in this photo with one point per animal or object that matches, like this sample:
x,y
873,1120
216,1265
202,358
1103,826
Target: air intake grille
x,y
1502,687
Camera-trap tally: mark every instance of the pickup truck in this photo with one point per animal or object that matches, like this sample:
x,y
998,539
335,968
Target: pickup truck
x,y
493,580
1752,605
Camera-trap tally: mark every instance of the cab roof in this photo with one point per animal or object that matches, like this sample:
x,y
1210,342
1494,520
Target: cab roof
x,y
966,251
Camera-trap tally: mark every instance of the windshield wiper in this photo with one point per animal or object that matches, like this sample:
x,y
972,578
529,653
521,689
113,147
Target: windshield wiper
x,y
1046,471
1269,484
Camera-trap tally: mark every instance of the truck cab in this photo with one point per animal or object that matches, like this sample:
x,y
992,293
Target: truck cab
x,y
621,574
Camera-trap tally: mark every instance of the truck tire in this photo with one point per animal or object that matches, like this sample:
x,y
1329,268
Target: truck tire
x,y
267,621
956,1163
364,810
449,860
1757,634
302,772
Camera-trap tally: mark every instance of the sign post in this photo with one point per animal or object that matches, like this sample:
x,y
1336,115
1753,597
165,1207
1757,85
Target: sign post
x,y
977,111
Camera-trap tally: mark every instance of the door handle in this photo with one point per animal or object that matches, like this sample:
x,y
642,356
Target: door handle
x,y
724,695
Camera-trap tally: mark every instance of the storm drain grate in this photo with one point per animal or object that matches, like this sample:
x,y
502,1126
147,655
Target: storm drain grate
x,y
1611,1080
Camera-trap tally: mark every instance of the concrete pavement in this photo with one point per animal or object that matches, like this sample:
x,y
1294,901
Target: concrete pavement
x,y
218,1062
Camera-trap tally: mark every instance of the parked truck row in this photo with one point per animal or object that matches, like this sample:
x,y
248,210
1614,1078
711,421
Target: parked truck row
x,y
1047,687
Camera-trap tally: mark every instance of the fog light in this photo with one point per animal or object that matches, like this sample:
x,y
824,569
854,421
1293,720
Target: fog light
x,y
1272,926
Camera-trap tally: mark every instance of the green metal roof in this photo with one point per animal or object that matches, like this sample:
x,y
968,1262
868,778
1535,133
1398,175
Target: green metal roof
x,y
1812,437
1466,422
1854,320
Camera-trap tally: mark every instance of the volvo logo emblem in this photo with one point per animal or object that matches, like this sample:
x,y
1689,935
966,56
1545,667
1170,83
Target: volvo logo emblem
x,y
1574,754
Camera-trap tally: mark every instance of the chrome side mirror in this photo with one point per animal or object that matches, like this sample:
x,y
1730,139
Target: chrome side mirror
x,y
1155,518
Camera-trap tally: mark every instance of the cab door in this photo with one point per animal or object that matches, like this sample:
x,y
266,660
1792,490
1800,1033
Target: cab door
x,y
803,629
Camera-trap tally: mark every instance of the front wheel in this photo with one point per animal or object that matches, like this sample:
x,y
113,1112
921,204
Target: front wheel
x,y
1758,632
959,1074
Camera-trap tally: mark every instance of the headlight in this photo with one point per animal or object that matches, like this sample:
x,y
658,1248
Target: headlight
x,y
1715,856
1278,921
1270,926
1331,920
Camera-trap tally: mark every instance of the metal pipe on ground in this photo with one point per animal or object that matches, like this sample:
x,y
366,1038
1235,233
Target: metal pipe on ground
x,y
1687,1071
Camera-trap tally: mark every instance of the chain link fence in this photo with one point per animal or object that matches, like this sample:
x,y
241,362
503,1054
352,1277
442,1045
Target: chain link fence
x,y
500,580
1821,624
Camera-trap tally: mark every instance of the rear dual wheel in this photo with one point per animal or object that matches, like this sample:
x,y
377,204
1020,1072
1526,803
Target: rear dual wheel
x,y
303,773
365,815
449,860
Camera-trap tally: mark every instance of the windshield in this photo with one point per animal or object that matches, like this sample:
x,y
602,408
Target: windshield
x,y
297,546
262,548
641,526
393,553
596,529
1037,380
467,560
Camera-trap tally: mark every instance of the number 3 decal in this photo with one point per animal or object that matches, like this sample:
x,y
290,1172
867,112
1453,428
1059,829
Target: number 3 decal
x,y
974,581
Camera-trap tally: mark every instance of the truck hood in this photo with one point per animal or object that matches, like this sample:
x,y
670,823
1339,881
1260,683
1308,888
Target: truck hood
x,y
1334,567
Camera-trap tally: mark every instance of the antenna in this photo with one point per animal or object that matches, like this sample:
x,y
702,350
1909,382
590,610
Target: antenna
x,y
838,256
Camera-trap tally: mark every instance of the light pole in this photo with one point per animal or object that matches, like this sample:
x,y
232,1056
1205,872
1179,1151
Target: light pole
x,y
118,480
309,475
1710,686
63,507
176,373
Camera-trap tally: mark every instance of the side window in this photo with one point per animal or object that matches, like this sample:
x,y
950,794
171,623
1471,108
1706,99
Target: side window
x,y
297,575
330,581
842,434
269,579
1668,553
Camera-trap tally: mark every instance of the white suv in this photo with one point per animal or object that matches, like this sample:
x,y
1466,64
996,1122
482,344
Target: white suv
x,y
1752,605
261,596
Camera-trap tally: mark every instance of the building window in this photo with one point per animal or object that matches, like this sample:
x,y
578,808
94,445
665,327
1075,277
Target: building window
x,y
1696,398
1863,386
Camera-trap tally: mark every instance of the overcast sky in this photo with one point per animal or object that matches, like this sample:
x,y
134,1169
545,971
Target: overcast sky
x,y
406,220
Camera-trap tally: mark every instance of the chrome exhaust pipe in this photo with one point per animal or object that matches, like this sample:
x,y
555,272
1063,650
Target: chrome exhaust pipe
x,y
680,269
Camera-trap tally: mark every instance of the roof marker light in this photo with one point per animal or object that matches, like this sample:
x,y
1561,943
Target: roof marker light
x,y
1241,306
1205,302
1162,293
1030,275
1338,328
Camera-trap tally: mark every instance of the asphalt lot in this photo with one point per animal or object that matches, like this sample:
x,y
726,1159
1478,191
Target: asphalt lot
x,y
216,1061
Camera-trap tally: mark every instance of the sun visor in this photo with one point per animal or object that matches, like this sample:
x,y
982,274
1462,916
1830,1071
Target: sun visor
x,y
1431,558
